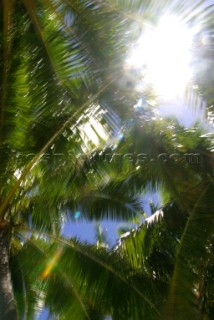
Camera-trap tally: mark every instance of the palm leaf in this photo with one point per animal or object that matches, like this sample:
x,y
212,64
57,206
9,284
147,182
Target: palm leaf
x,y
75,278
185,284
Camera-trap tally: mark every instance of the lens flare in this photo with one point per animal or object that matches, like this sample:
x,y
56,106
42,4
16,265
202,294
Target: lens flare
x,y
164,55
52,263
77,215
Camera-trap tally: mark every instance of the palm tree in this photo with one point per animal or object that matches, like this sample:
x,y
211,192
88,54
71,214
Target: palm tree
x,y
166,247
175,245
53,67
58,59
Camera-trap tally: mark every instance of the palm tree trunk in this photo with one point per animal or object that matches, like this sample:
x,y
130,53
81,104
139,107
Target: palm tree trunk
x,y
7,302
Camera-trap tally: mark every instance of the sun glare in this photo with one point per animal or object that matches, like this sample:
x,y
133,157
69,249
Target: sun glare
x,y
164,55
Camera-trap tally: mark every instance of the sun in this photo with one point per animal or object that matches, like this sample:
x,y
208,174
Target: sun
x,y
164,55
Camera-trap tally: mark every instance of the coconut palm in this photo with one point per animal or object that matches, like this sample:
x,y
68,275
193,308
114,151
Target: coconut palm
x,y
53,69
168,252
61,59
175,244
166,247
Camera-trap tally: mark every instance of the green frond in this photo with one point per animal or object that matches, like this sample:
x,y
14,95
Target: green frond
x,y
27,289
192,260
73,279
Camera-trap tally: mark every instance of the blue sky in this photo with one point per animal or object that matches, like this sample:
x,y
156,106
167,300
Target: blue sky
x,y
85,231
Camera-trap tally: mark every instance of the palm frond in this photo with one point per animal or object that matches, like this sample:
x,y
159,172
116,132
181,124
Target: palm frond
x,y
75,278
186,280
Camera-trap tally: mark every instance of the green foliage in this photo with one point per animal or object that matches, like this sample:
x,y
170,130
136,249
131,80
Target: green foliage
x,y
60,61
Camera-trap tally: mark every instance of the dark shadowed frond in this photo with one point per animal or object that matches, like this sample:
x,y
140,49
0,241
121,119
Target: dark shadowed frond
x,y
74,279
